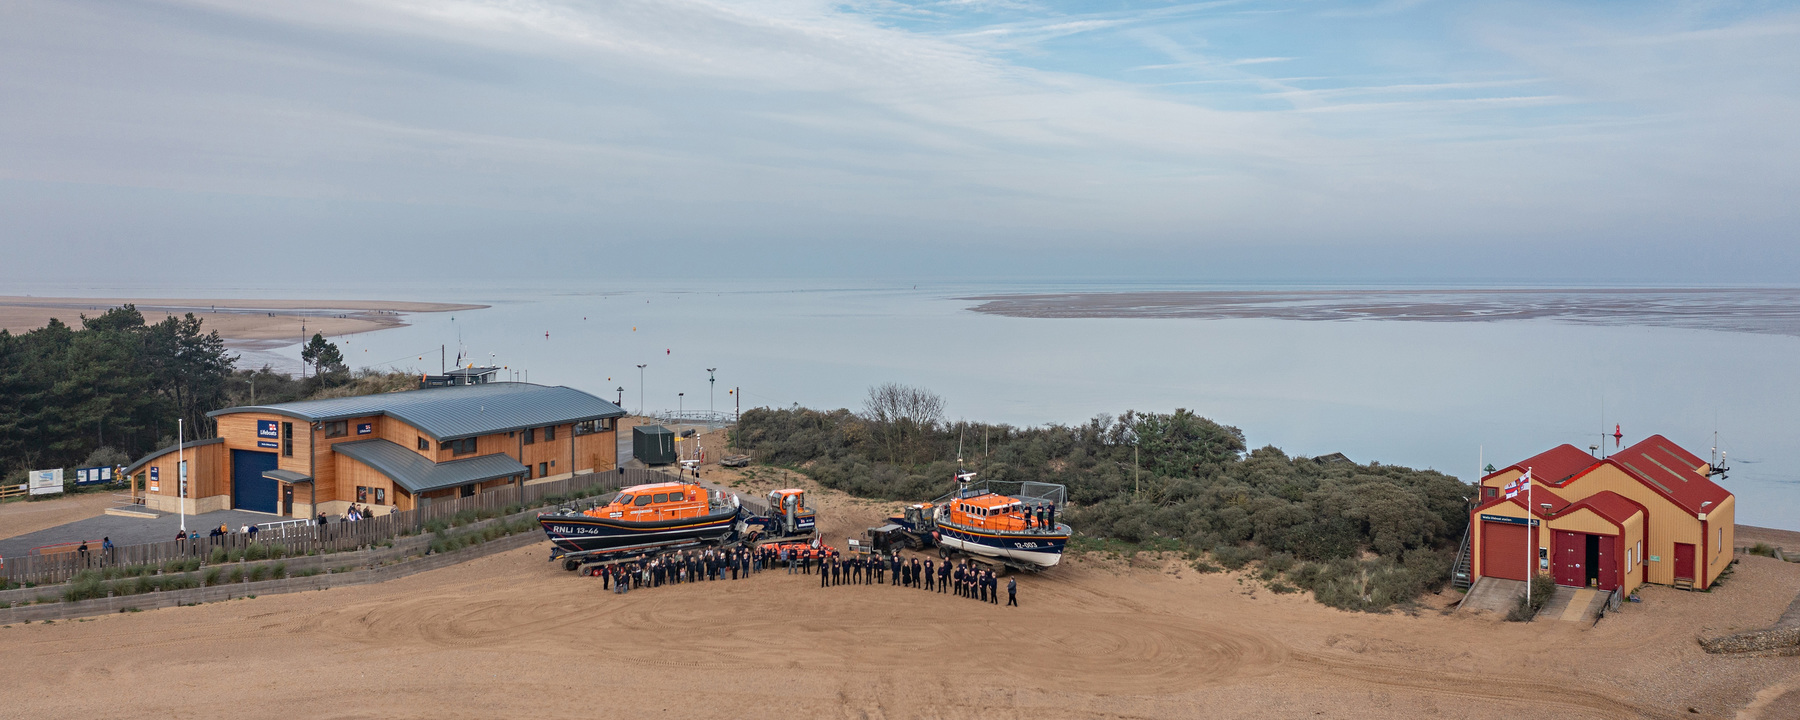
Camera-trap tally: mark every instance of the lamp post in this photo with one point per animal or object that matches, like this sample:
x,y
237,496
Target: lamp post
x,y
641,389
680,404
709,393
621,394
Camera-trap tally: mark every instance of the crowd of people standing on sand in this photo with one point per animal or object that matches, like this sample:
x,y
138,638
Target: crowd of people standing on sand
x,y
964,579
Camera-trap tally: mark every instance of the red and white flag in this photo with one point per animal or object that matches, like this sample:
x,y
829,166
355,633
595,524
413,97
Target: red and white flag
x,y
1519,485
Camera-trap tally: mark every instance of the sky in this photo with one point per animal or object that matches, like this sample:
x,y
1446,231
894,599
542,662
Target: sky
x,y
355,141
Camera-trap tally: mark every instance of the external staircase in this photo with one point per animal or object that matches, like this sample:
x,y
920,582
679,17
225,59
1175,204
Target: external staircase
x,y
1461,574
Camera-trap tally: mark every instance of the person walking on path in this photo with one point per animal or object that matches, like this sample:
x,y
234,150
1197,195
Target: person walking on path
x,y
1012,592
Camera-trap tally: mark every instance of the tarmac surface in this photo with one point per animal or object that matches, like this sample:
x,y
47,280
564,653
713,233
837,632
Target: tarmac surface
x,y
130,530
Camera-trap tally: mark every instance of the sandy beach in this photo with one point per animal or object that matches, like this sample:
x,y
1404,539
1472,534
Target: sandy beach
x,y
236,320
1100,636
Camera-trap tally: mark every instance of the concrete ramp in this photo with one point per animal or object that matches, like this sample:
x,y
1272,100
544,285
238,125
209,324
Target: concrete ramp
x,y
1493,595
1577,605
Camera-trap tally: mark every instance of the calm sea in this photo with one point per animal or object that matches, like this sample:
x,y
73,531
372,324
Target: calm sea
x,y
1445,395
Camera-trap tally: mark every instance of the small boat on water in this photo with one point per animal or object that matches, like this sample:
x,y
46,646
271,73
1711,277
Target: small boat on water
x,y
645,516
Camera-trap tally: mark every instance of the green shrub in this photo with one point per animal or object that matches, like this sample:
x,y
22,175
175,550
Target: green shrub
x,y
237,575
86,585
1763,549
1372,585
217,556
256,551
1279,562
1529,605
258,573
1235,557
212,576
1205,567
308,572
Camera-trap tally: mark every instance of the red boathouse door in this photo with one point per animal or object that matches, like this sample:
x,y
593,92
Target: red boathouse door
x,y
1684,561
1570,549
1503,551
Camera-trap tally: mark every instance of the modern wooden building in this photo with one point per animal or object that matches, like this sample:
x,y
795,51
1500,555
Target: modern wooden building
x,y
392,451
1647,514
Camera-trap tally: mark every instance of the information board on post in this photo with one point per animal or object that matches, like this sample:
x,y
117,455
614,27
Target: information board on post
x,y
44,482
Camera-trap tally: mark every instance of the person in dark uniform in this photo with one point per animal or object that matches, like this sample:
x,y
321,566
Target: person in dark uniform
x,y
1012,592
943,578
927,577
824,576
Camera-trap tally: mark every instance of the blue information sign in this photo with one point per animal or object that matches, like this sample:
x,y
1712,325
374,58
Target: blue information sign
x,y
268,429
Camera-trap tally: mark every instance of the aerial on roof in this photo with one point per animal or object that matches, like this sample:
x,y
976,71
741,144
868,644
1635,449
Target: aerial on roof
x,y
455,412
1680,475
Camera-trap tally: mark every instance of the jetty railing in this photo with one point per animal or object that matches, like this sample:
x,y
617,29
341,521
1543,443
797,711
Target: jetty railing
x,y
289,538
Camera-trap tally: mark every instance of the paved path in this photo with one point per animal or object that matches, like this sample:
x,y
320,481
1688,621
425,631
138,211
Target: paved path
x,y
130,531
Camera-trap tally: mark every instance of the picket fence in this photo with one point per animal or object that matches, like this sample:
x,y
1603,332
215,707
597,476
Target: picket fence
x,y
299,539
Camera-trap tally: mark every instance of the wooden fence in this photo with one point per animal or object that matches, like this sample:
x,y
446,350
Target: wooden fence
x,y
330,537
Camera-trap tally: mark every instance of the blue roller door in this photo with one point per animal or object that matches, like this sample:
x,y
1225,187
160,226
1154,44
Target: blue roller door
x,y
249,489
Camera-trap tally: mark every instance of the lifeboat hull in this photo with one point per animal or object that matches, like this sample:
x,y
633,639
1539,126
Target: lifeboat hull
x,y
1043,550
583,533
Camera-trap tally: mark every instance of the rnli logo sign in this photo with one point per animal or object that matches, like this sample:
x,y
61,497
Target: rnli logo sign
x,y
267,429
365,428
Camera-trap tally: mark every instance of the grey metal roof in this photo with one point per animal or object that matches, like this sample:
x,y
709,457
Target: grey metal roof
x,y
286,476
172,448
448,413
417,474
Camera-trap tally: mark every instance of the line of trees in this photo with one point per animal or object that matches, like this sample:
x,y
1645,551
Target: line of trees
x,y
1359,536
112,389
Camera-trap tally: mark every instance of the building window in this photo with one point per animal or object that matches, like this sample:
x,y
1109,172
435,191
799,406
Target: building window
x,y
593,426
424,444
287,439
465,446
549,433
337,428
531,436
543,469
528,474
1491,492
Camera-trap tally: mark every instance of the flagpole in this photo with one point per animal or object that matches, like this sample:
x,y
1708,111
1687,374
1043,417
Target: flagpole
x,y
181,473
1530,545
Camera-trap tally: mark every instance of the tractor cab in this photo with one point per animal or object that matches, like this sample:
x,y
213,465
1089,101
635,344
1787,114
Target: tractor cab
x,y
788,508
916,517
